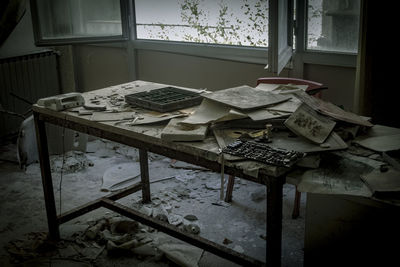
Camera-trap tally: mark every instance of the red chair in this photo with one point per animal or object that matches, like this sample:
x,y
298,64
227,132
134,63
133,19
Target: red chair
x,y
314,88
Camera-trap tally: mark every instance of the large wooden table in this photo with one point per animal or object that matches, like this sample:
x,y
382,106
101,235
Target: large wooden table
x,y
147,139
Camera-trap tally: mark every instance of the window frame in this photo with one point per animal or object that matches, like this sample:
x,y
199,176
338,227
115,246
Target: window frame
x,y
313,56
279,58
245,54
40,41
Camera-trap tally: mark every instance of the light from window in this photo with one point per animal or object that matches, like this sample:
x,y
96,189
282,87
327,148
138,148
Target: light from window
x,y
241,22
77,18
333,25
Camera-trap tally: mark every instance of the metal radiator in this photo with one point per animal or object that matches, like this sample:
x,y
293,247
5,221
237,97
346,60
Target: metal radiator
x,y
23,80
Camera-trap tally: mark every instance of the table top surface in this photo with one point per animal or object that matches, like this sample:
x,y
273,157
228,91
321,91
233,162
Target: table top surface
x,y
130,122
115,120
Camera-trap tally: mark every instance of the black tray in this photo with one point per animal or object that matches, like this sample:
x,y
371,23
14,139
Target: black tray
x,y
164,99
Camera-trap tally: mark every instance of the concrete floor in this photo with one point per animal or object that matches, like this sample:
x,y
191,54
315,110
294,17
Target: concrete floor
x,y
242,222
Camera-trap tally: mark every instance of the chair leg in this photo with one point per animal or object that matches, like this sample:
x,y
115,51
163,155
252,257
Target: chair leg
x,y
296,205
229,188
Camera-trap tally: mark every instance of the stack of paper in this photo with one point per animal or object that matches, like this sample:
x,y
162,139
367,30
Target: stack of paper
x,y
237,103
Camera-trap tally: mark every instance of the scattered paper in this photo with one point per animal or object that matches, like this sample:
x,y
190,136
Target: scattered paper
x,y
383,183
245,97
308,123
265,114
381,143
112,116
183,132
332,110
281,88
120,176
211,111
336,175
268,87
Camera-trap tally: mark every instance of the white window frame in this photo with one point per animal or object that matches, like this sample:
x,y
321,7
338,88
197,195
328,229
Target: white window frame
x,y
309,56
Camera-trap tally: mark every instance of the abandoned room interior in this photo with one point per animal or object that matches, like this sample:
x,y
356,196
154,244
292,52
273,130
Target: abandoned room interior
x,y
198,133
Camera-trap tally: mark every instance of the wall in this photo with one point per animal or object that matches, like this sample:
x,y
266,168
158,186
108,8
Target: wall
x,y
196,72
21,40
350,231
100,66
339,80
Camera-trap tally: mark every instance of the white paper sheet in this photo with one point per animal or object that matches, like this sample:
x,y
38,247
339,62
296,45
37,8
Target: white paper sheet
x,y
211,111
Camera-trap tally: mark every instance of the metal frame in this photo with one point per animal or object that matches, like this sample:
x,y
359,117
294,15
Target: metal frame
x,y
274,191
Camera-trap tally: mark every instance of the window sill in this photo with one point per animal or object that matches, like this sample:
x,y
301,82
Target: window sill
x,y
253,55
329,58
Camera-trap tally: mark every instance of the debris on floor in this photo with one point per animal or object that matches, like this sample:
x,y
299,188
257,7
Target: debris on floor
x,y
183,195
71,161
32,246
117,236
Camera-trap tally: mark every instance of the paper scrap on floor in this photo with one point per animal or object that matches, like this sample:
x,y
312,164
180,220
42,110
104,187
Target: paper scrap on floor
x,y
120,176
308,123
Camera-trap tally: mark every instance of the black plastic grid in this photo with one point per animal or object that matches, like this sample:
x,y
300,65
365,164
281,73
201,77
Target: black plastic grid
x,y
164,99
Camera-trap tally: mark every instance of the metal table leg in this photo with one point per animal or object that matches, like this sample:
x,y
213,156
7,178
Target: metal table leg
x,y
274,220
46,178
144,175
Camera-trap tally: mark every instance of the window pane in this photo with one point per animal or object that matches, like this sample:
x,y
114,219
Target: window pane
x,y
79,18
242,22
333,25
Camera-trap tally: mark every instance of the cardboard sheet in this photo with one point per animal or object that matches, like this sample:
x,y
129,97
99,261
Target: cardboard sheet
x,y
281,88
245,97
332,110
288,106
265,114
183,132
381,143
336,175
308,123
383,183
211,111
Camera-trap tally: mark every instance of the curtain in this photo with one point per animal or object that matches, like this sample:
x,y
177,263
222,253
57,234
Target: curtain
x,y
363,88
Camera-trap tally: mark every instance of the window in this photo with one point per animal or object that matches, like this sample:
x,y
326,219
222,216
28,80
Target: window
x,y
64,22
241,30
241,23
333,25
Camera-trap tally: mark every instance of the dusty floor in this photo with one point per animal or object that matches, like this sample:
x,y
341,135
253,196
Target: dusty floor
x,y
188,191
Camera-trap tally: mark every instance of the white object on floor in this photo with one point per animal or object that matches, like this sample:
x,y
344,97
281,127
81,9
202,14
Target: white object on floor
x,y
120,176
